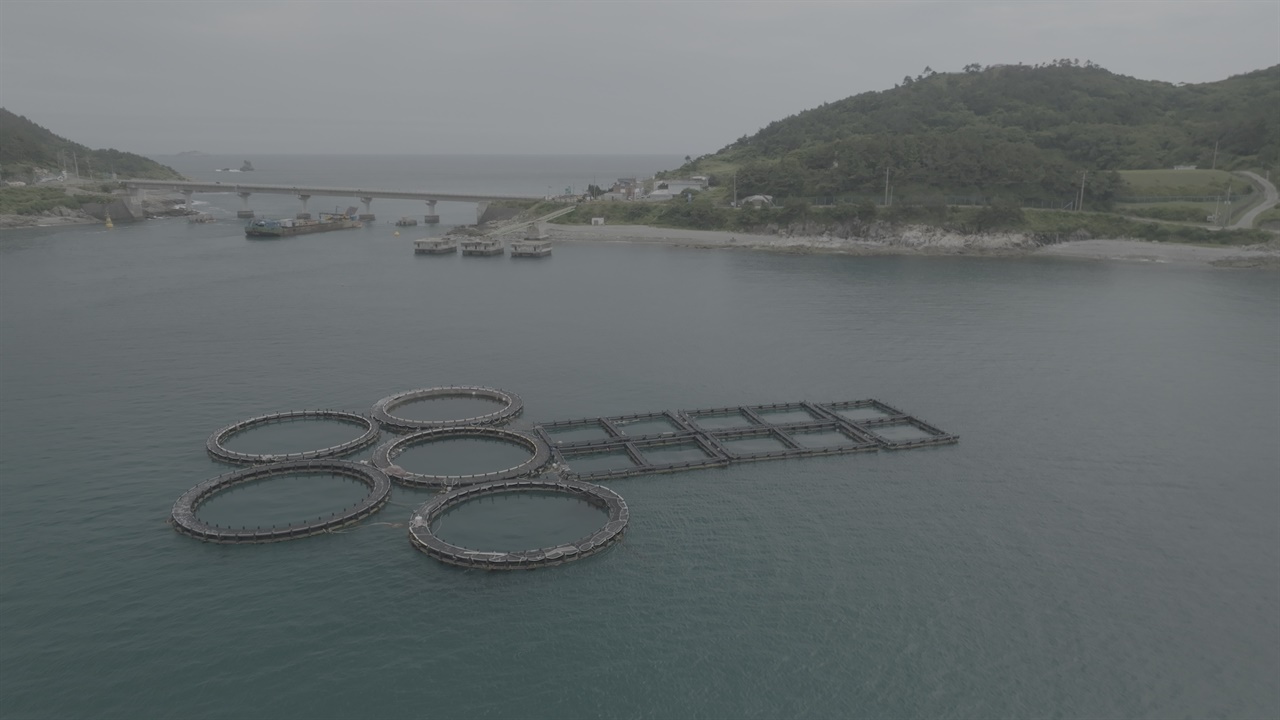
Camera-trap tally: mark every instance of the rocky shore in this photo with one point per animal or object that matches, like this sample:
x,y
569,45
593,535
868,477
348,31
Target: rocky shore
x,y
144,206
925,240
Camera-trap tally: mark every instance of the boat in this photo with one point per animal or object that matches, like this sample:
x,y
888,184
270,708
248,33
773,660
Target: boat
x,y
406,222
289,228
482,246
435,246
246,167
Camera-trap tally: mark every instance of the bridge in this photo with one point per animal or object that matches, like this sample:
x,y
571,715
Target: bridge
x,y
305,193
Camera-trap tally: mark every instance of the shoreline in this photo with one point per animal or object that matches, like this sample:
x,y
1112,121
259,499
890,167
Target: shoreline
x,y
920,240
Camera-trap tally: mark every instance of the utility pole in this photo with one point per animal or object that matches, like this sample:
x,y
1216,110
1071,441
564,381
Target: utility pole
x,y
76,162
886,186
1215,155
1080,201
735,188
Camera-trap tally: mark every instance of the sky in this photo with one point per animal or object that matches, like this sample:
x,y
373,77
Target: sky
x,y
547,77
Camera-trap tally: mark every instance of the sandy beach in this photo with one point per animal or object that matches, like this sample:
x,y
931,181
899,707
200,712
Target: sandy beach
x,y
932,241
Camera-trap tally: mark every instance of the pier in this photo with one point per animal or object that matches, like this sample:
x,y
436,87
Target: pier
x,y
184,519
217,448
424,538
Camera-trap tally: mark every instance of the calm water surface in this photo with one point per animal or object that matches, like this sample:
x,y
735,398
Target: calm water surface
x,y
1103,542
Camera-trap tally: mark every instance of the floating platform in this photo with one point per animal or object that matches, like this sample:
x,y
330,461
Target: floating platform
x,y
435,246
512,406
216,444
406,222
184,519
425,540
384,457
531,248
625,445
484,246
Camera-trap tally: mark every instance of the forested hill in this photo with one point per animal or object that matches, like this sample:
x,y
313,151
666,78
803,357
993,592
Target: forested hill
x,y
1015,130
25,147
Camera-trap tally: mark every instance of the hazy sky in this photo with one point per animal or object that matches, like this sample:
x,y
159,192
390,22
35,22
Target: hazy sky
x,y
547,77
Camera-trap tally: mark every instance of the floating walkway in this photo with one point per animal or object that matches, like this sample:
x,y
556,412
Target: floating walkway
x,y
184,518
512,405
425,539
216,444
384,457
627,445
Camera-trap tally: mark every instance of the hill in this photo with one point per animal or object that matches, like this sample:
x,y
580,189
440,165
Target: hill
x,y
26,148
1026,133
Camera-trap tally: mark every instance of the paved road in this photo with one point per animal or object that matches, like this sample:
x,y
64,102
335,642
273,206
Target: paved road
x,y
1246,220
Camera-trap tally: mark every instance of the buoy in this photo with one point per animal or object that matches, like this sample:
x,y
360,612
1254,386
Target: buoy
x,y
109,220
396,233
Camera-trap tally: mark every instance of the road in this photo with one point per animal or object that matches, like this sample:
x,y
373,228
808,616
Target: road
x,y
1246,220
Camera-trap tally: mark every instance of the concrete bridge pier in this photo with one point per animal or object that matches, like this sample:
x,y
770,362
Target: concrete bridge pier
x,y
244,211
480,208
304,215
431,218
187,194
367,214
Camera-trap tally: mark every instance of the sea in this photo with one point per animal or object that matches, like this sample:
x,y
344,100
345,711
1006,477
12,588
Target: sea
x,y
1103,541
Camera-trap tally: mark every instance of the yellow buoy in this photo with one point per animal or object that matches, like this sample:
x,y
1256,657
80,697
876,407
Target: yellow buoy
x,y
109,219
396,233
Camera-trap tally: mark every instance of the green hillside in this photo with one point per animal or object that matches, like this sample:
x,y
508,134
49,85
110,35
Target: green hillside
x,y
25,146
1019,132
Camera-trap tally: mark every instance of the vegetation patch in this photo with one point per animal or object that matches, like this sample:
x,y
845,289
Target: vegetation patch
x,y
1182,183
36,200
1031,133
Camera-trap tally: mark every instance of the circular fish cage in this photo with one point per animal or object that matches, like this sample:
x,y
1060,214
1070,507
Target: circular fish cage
x,y
184,518
216,444
512,406
384,456
424,538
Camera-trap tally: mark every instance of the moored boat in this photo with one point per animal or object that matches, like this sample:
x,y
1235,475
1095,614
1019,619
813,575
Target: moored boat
x,y
288,228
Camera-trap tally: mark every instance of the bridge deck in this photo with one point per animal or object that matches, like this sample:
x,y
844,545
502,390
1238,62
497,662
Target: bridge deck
x,y
203,187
